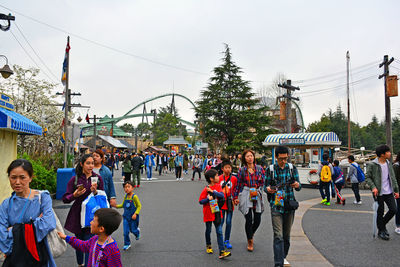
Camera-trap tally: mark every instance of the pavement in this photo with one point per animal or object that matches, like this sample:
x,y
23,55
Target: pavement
x,y
172,231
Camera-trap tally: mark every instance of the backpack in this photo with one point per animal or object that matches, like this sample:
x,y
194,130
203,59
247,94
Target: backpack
x,y
338,175
360,173
326,175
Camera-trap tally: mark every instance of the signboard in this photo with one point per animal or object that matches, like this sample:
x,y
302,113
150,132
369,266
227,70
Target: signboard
x,y
6,102
292,141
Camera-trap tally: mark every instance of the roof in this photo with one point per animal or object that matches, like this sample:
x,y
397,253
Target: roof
x,y
112,141
157,148
176,140
128,145
322,138
14,121
105,128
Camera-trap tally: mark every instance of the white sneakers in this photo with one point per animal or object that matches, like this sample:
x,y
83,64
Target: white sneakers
x,y
397,230
357,203
285,262
179,179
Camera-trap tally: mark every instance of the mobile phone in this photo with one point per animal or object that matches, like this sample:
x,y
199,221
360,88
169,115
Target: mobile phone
x,y
80,187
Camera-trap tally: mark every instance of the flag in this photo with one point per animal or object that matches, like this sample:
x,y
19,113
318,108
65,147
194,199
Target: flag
x,y
87,118
63,106
65,64
63,122
45,131
62,138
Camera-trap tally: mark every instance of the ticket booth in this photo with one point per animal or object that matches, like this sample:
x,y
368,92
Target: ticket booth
x,y
11,124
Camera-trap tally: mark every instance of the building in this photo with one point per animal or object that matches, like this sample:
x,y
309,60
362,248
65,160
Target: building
x,y
176,144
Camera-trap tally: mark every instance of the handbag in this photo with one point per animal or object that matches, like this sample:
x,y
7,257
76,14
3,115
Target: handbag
x,y
291,204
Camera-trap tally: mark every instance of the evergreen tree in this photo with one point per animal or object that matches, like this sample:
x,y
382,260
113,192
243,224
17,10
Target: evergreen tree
x,y
230,116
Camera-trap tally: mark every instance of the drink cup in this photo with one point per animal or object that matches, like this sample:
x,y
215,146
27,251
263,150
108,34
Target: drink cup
x,y
94,179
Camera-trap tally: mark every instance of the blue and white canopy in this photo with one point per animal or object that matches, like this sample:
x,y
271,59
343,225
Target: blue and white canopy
x,y
13,121
299,139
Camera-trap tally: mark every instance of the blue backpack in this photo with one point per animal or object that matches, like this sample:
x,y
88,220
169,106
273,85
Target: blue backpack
x,y
360,173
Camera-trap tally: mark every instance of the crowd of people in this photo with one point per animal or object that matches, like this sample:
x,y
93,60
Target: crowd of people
x,y
231,182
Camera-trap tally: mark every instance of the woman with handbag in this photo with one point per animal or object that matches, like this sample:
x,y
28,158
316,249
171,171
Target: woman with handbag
x,y
79,188
26,209
248,194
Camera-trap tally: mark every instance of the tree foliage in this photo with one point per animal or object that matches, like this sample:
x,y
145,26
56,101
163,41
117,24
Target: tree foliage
x,y
166,124
33,98
230,116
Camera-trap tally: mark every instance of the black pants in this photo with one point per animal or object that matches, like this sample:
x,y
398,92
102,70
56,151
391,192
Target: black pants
x,y
324,186
127,176
253,220
381,220
178,171
198,171
356,190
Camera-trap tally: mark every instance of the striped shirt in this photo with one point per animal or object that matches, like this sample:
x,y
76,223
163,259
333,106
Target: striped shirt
x,y
111,256
282,176
256,179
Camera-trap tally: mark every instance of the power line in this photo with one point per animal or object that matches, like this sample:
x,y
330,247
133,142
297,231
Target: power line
x,y
34,51
106,46
26,52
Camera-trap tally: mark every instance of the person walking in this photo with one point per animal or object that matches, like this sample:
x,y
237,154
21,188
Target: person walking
x,y
137,162
196,166
325,171
149,163
248,194
106,175
382,181
352,177
178,166
282,216
185,163
127,168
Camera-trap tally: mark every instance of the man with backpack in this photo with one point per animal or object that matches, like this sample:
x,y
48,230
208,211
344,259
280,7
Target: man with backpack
x,y
325,171
382,181
352,176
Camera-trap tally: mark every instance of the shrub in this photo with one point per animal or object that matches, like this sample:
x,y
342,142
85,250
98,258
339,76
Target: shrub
x,y
43,178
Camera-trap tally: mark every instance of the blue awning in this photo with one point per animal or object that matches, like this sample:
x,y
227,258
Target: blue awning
x,y
296,139
16,122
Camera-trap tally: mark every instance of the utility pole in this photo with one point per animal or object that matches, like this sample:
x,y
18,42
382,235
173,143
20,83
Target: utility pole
x,y
289,88
348,103
112,126
388,117
94,132
66,122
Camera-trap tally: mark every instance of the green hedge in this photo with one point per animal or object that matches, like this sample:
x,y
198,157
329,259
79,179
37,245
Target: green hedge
x,y
43,178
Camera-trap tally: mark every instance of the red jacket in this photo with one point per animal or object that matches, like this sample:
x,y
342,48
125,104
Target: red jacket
x,y
208,216
230,187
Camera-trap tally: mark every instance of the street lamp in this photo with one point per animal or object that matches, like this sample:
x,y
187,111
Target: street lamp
x,y
5,70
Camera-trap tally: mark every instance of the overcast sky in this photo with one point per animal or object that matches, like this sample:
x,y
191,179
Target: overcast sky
x,y
302,39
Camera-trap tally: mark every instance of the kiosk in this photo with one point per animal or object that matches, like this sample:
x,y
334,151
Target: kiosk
x,y
306,151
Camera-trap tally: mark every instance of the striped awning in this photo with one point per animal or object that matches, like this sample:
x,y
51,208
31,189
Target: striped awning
x,y
298,139
13,121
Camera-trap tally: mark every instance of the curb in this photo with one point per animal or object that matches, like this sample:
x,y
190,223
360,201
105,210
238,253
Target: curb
x,y
302,252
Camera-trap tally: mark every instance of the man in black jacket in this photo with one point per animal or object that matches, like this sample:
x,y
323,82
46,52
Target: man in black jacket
x,y
137,163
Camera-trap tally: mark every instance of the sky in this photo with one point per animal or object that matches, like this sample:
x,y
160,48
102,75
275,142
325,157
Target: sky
x,y
125,52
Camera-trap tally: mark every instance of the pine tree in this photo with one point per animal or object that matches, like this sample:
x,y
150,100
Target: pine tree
x,y
230,116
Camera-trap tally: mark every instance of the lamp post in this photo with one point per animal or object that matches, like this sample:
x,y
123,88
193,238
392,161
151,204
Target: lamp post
x,y
6,70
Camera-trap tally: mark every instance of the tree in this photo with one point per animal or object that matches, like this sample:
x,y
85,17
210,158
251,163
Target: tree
x,y
33,98
165,125
230,116
143,130
127,127
268,94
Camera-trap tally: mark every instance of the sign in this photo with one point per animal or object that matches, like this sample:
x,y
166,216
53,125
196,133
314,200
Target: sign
x,y
7,102
392,87
292,141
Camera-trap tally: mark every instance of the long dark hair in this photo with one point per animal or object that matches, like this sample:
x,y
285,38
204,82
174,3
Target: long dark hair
x,y
23,163
79,168
244,162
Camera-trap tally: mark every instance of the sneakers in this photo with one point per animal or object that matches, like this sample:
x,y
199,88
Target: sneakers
x,y
382,235
138,186
177,179
138,235
323,201
327,203
209,249
126,247
181,179
223,254
229,246
397,230
285,262
357,203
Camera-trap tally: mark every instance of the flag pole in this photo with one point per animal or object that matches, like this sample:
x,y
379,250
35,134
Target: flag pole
x,y
67,104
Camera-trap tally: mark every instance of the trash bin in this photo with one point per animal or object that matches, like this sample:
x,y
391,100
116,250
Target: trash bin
x,y
63,176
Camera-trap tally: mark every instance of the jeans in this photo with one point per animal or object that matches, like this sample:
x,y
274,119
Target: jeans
x,y
356,190
149,171
333,189
136,176
281,225
398,212
251,225
198,171
323,186
228,215
220,238
178,171
130,226
381,220
160,167
84,235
